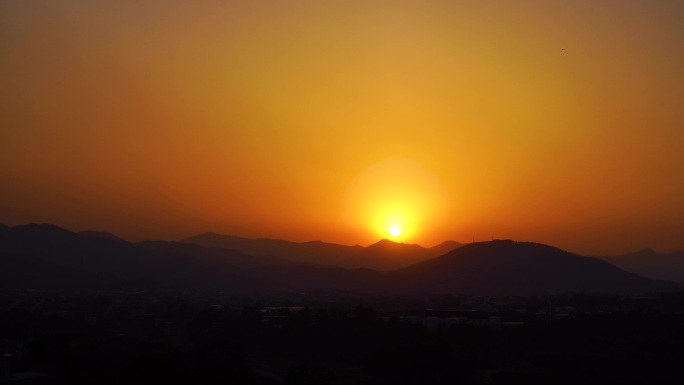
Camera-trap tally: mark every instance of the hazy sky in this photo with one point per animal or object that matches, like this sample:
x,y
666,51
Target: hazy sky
x,y
559,122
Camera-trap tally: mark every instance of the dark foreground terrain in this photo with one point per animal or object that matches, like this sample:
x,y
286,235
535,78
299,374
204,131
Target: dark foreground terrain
x,y
91,308
183,338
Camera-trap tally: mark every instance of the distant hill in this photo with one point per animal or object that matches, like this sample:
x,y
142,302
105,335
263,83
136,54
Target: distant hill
x,y
101,234
651,264
49,257
309,252
216,254
85,252
57,252
444,248
383,255
508,267
485,268
388,255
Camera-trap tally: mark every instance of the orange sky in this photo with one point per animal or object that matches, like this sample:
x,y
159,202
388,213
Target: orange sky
x,y
552,121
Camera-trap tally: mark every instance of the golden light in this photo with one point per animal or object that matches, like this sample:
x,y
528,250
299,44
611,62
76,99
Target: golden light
x,y
398,195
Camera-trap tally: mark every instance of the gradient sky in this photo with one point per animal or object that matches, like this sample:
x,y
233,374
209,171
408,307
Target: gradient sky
x,y
559,122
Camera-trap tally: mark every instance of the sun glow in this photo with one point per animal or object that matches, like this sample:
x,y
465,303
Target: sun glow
x,y
396,195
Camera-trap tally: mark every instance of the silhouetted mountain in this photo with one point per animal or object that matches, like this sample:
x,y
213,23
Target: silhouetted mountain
x,y
383,255
114,258
388,255
101,234
651,264
310,252
507,267
485,268
49,256
66,247
215,254
444,248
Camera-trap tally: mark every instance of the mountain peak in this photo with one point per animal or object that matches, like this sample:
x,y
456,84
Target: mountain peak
x,y
41,227
384,241
506,266
390,243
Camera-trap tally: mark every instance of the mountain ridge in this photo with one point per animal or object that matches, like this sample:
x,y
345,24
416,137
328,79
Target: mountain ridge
x,y
649,263
500,267
506,266
382,255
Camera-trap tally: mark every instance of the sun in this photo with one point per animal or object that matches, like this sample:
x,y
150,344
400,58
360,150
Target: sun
x,y
396,198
